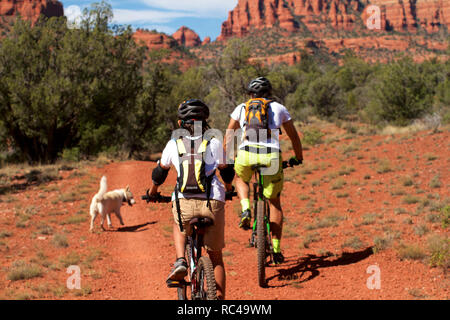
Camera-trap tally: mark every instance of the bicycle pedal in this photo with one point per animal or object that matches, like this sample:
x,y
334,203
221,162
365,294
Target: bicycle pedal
x,y
175,284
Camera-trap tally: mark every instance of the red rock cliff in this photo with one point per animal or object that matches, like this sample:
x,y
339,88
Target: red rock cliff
x,y
153,39
31,9
399,15
187,37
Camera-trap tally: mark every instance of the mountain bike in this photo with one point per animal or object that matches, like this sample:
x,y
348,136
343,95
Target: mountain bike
x,y
261,237
201,283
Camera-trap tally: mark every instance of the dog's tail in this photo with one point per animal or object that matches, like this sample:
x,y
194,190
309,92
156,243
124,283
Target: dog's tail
x,y
103,188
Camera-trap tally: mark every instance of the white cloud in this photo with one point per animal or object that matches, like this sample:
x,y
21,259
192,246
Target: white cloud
x,y
212,8
73,14
124,16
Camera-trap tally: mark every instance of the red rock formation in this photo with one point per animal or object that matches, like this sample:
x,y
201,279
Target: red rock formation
x,y
258,14
154,40
187,37
31,9
207,40
398,15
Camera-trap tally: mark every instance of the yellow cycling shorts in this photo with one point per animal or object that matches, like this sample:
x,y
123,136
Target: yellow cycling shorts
x,y
272,182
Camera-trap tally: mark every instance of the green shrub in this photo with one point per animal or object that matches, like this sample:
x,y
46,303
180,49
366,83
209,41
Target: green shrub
x,y
439,251
71,155
400,94
312,136
445,216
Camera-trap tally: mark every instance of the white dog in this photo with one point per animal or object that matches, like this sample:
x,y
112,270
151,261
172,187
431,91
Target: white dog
x,y
106,203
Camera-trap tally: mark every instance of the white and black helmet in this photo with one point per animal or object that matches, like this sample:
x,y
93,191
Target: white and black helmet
x,y
193,109
259,85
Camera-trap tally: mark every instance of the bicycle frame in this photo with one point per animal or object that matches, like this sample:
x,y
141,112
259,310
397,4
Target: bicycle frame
x,y
258,195
195,241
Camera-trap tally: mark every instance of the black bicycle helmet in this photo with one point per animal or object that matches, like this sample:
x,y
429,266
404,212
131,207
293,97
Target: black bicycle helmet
x,y
259,85
193,109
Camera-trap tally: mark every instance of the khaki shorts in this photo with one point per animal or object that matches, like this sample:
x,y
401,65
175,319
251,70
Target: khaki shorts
x,y
214,239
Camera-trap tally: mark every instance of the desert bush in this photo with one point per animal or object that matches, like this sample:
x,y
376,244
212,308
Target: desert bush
x,y
411,252
439,251
70,259
23,271
445,216
312,136
382,243
399,94
328,221
354,243
60,240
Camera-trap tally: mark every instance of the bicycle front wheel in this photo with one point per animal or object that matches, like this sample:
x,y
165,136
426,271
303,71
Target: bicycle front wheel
x,y
206,282
261,242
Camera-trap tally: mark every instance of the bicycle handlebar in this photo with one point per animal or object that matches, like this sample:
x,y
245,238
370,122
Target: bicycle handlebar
x,y
286,164
230,194
158,198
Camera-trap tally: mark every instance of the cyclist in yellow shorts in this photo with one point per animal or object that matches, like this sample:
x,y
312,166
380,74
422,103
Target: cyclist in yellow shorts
x,y
261,147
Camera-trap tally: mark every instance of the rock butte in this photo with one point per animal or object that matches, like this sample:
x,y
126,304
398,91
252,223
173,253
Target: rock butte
x,y
31,9
187,37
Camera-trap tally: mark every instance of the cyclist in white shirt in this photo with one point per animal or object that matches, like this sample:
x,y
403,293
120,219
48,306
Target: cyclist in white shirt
x,y
264,152
199,192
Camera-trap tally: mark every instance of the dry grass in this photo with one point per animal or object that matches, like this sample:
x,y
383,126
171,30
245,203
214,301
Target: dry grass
x,y
23,271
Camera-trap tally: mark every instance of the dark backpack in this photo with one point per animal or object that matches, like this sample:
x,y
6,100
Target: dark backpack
x,y
192,178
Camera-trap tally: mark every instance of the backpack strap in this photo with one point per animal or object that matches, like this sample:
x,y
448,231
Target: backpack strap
x,y
180,147
178,206
202,149
181,151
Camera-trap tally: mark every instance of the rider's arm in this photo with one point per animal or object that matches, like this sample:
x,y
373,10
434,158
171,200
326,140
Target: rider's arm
x,y
292,133
160,173
159,176
229,135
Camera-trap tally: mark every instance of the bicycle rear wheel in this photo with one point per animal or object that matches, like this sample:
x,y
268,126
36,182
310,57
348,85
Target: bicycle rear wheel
x,y
205,280
261,242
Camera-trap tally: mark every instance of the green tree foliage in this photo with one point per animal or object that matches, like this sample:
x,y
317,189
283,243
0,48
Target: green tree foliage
x,y
61,88
400,93
154,115
73,93
229,78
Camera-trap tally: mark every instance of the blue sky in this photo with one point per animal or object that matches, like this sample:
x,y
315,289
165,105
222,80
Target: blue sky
x,y
203,16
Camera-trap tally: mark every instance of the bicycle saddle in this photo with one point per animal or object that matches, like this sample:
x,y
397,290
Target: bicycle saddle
x,y
258,166
201,222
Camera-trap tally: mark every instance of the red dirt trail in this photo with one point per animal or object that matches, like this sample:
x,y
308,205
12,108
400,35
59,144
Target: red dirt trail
x,y
320,263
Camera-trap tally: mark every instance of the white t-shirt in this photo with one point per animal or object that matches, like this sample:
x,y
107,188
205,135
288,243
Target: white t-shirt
x,y
278,115
214,157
